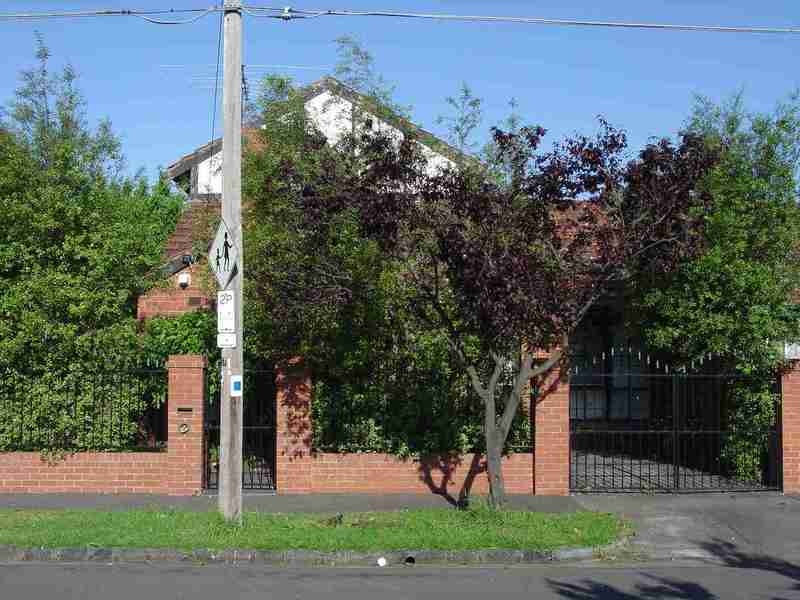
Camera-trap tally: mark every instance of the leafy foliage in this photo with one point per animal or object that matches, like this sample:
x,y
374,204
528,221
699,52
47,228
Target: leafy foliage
x,y
412,399
190,333
356,69
493,268
327,293
87,244
751,417
734,298
467,117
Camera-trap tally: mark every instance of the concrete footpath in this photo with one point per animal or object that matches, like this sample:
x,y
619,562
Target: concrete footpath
x,y
283,503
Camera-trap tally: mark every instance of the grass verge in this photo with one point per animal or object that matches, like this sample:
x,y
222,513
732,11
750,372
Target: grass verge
x,y
432,529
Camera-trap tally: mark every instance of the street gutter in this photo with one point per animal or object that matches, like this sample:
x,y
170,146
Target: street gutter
x,y
13,554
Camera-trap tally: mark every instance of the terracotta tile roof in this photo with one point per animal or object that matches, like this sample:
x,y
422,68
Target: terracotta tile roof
x,y
181,240
188,229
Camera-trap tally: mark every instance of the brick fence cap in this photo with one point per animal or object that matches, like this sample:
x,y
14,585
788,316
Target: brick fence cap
x,y
187,360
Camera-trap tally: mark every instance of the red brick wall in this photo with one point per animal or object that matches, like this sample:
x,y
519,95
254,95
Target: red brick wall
x,y
551,436
178,471
299,470
294,466
173,300
790,424
385,474
185,425
85,472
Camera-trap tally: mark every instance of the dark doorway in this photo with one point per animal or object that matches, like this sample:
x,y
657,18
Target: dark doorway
x,y
258,449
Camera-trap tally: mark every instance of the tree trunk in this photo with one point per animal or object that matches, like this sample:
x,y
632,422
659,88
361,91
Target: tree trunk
x,y
496,430
494,466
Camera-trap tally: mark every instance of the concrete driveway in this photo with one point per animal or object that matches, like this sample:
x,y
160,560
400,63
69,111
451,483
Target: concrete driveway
x,y
731,528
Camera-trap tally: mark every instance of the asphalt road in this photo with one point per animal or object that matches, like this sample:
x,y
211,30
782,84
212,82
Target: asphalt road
x,y
776,580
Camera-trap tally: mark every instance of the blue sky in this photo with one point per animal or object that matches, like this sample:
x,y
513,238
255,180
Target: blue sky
x,y
563,78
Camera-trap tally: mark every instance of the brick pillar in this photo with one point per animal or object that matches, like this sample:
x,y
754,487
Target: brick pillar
x,y
790,429
551,436
293,462
185,406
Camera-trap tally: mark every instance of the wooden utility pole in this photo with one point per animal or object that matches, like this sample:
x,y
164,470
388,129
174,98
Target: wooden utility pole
x,y
231,407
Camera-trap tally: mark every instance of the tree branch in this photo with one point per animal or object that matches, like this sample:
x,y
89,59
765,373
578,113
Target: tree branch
x,y
512,404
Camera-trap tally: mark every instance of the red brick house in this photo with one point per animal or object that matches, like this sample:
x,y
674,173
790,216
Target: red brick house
x,y
616,415
618,422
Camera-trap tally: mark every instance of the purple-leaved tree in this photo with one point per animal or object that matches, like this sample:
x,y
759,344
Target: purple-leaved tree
x,y
508,265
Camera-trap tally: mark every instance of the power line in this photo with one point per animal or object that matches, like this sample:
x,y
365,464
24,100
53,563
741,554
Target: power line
x,y
269,66
202,67
216,86
147,15
309,67
245,89
184,22
289,13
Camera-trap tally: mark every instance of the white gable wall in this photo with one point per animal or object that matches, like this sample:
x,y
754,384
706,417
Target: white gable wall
x,y
333,116
209,175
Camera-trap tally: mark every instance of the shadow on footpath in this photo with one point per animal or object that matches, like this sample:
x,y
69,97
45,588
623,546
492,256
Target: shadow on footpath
x,y
659,587
731,556
724,553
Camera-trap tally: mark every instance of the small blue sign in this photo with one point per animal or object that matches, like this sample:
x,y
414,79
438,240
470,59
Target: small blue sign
x,y
236,386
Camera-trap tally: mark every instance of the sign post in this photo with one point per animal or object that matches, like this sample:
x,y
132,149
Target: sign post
x,y
227,249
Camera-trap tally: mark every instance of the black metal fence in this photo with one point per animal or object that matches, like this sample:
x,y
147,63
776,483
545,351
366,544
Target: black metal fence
x,y
258,446
644,427
99,410
665,461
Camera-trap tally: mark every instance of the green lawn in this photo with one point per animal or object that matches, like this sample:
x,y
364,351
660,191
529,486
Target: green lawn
x,y
433,529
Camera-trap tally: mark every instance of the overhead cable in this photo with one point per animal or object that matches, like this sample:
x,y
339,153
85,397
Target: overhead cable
x,y
216,79
288,13
147,15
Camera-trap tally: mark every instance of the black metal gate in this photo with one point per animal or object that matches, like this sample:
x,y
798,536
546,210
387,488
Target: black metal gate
x,y
638,426
258,448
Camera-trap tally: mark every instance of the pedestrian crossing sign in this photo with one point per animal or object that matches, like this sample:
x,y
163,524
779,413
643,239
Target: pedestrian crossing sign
x,y
223,255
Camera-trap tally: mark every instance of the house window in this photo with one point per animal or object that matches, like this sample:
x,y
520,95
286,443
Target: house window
x,y
587,402
587,393
609,381
629,385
